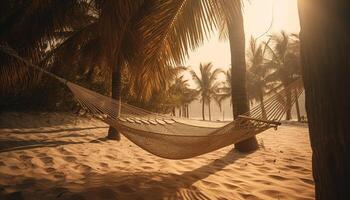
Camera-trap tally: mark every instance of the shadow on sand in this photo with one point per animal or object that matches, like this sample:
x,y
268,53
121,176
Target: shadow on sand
x,y
121,185
59,130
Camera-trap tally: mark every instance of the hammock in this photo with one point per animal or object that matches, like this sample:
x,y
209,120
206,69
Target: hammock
x,y
174,137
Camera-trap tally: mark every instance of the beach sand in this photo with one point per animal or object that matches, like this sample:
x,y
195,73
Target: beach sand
x,y
60,156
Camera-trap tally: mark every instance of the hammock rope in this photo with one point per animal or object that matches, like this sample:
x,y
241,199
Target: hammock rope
x,y
175,137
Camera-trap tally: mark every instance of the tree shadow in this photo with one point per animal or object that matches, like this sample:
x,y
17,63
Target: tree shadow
x,y
15,145
42,119
150,185
55,130
7,145
124,185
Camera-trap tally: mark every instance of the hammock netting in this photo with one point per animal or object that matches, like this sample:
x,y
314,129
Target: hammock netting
x,y
180,138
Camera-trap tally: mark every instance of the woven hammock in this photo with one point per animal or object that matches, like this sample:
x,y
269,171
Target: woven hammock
x,y
174,137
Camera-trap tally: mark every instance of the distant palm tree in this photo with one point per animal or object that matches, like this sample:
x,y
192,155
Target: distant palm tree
x,y
224,90
180,96
207,84
285,62
257,73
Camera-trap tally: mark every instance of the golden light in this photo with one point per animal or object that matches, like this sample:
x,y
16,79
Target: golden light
x,y
258,15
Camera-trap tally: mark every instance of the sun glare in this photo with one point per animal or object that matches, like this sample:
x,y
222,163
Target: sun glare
x,y
262,17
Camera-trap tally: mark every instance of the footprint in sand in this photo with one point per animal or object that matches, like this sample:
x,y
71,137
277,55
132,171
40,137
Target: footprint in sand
x,y
64,151
50,170
69,158
146,167
25,157
47,160
59,175
102,164
83,168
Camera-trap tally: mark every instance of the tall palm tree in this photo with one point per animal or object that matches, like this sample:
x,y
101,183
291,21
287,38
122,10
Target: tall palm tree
x,y
235,32
325,44
285,62
207,84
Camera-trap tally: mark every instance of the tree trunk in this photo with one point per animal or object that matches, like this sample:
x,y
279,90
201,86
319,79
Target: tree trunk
x,y
209,111
180,111
289,102
325,45
238,72
203,104
262,106
184,114
174,112
188,114
113,133
297,107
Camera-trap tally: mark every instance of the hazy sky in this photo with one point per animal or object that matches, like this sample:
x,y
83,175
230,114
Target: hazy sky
x,y
257,19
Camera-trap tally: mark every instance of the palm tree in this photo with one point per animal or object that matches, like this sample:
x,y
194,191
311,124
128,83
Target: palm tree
x,y
325,44
180,96
188,96
225,89
145,36
257,73
235,32
285,62
207,84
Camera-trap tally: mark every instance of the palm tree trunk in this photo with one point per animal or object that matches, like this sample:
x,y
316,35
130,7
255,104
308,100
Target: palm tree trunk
x,y
289,101
185,111
297,107
262,106
188,114
203,104
238,74
113,133
325,44
209,111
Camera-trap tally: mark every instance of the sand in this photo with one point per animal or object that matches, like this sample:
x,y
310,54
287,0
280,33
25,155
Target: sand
x,y
60,156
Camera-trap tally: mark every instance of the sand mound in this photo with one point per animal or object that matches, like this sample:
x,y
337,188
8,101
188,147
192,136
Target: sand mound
x,y
59,156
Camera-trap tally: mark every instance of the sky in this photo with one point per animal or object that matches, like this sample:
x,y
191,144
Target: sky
x,y
258,15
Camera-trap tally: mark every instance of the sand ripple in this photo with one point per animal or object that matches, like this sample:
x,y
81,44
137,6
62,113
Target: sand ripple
x,y
59,156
